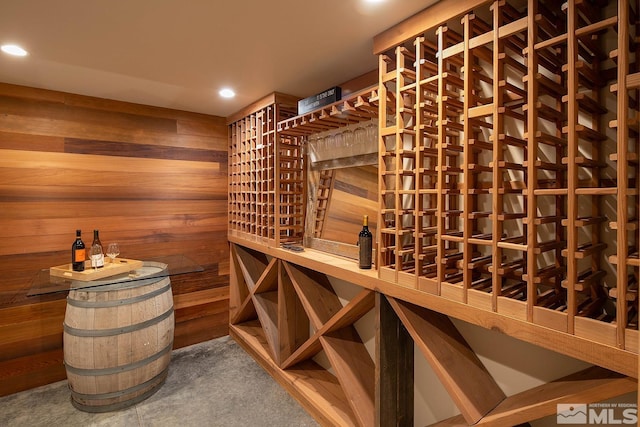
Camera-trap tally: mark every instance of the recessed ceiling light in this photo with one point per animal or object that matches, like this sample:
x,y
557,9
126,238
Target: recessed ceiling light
x,y
227,93
14,50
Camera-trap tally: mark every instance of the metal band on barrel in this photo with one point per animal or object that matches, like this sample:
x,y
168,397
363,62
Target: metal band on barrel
x,y
76,332
118,369
115,303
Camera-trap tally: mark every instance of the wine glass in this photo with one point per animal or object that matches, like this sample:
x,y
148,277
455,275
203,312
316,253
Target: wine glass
x,y
113,250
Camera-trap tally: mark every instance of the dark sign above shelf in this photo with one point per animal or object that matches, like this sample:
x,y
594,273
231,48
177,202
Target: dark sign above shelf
x,y
321,99
359,106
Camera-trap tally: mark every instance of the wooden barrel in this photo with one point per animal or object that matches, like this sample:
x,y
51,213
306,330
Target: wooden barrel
x,y
118,339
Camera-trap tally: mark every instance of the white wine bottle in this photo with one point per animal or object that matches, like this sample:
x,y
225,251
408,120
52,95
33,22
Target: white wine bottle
x,y
97,253
365,245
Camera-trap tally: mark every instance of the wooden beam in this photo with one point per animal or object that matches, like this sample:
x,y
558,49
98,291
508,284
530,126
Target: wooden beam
x,y
593,384
421,22
394,368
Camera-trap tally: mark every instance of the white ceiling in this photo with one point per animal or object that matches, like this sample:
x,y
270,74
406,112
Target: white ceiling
x,y
179,53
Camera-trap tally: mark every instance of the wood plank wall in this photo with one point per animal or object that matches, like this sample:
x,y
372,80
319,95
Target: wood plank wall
x,y
152,179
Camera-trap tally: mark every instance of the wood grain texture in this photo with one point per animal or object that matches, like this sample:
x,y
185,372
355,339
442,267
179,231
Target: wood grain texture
x,y
470,385
152,179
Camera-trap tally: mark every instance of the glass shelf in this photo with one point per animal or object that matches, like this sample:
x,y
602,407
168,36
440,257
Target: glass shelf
x,y
44,283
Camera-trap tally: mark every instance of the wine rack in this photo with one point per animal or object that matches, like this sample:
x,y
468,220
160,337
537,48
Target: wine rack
x,y
509,162
355,114
508,197
266,174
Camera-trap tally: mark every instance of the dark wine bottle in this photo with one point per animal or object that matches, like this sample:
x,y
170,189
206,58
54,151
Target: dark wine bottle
x,y
365,245
78,253
97,253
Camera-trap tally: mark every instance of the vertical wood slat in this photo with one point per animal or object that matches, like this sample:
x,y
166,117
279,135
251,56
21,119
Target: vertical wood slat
x,y
276,183
622,134
498,154
572,169
399,146
441,161
419,159
532,149
394,368
467,205
381,253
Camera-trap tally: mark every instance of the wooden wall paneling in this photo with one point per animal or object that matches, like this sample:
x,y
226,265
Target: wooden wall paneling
x,y
147,177
349,201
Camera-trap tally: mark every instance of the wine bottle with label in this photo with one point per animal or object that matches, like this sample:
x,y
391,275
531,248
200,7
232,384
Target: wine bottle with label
x,y
97,253
78,253
365,245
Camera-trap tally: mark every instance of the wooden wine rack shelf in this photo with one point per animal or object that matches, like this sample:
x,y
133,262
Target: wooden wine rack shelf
x,y
510,138
509,197
354,108
284,311
266,174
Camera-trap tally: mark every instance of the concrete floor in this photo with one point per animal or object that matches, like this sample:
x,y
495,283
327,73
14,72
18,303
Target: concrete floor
x,y
214,383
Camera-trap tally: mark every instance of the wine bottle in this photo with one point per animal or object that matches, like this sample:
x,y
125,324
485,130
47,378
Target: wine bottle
x,y
97,254
78,253
365,245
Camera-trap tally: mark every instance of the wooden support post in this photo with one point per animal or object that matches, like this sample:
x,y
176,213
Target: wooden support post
x,y
498,153
441,161
572,152
394,368
623,168
399,146
532,150
467,205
